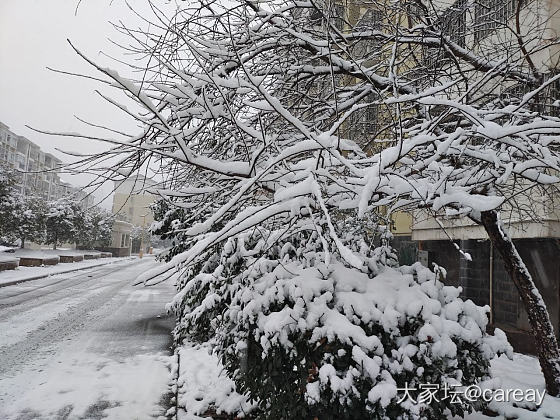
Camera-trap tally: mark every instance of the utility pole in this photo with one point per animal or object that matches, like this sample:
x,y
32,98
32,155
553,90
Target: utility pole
x,y
141,253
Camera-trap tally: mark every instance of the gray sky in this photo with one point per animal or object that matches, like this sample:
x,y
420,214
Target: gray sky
x,y
33,37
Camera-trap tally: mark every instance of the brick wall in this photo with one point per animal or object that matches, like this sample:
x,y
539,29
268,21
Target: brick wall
x,y
443,253
474,275
506,298
541,256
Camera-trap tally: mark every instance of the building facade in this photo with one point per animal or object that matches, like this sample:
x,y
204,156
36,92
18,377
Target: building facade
x,y
132,201
37,172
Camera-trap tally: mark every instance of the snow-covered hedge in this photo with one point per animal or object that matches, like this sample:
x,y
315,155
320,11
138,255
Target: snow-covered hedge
x,y
304,339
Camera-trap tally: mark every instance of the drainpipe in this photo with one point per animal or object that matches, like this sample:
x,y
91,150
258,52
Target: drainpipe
x,y
491,285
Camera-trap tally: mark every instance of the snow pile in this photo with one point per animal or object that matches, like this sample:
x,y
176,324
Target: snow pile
x,y
21,274
32,253
203,386
522,372
7,258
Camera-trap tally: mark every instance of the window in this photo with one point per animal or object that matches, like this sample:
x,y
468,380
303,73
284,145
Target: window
x,y
454,23
544,103
414,11
328,9
371,20
337,16
364,123
21,161
316,16
492,14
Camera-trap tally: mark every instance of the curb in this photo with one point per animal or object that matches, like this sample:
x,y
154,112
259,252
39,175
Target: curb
x,y
42,276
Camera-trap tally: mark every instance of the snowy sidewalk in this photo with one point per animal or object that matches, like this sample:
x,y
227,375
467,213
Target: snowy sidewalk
x,y
22,274
523,372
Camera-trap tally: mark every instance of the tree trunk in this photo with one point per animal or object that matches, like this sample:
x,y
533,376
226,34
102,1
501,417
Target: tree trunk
x,y
543,331
22,243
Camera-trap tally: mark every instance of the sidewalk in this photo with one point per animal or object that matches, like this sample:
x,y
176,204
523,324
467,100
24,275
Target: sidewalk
x,y
23,274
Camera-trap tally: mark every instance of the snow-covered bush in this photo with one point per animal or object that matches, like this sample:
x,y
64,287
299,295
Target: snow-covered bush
x,y
333,343
304,339
207,285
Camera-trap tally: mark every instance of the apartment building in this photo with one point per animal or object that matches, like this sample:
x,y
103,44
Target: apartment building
x,y
37,172
132,201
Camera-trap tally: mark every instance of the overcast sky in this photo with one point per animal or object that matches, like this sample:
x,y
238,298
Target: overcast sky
x,y
33,37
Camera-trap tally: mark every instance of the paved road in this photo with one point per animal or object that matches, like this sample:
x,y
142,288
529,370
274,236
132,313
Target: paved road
x,y
85,345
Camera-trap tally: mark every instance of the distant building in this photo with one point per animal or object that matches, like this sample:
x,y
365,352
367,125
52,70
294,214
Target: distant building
x,y
132,201
120,239
36,170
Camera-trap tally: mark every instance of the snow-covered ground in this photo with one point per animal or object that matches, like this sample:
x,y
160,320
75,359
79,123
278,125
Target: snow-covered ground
x,y
203,385
86,345
35,253
523,372
72,252
7,257
23,273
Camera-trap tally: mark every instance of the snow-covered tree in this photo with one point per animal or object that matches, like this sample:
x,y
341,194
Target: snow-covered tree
x,y
29,220
140,232
7,181
9,202
64,222
98,225
252,110
21,218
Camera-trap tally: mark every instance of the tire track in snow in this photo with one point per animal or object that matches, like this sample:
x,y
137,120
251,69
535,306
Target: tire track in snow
x,y
39,343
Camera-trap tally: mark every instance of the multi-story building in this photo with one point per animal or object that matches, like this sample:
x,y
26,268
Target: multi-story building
x,y
132,201
132,208
368,125
37,172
